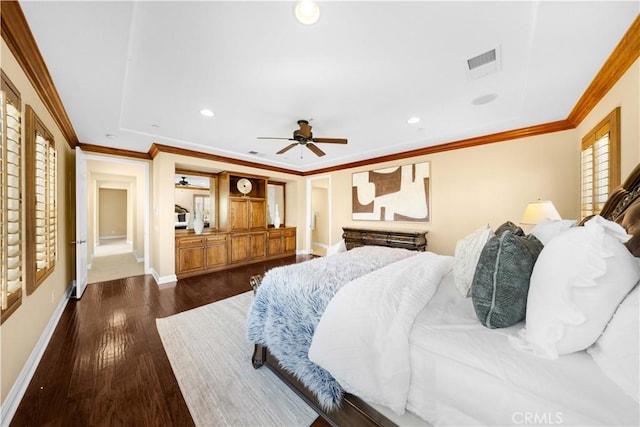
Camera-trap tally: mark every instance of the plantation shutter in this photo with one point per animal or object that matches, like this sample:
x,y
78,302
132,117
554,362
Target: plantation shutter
x,y
600,164
40,202
10,205
45,206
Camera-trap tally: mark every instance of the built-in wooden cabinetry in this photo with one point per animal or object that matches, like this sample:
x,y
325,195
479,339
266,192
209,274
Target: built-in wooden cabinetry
x,y
282,241
248,247
242,236
247,214
239,211
196,254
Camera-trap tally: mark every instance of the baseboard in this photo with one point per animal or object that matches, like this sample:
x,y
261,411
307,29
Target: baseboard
x,y
138,259
11,402
111,237
164,279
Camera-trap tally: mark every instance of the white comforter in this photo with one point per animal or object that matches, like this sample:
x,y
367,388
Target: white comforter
x,y
363,336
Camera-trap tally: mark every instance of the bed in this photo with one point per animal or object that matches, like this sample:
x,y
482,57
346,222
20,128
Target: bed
x,y
446,367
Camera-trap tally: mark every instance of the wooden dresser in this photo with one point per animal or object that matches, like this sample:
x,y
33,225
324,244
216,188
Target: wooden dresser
x,y
413,240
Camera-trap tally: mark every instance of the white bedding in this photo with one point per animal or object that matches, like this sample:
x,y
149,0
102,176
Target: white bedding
x,y
365,328
462,373
466,374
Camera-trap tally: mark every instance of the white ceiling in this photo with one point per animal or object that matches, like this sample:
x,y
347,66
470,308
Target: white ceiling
x,y
142,71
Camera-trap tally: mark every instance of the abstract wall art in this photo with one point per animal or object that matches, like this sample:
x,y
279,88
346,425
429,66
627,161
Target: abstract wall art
x,y
392,194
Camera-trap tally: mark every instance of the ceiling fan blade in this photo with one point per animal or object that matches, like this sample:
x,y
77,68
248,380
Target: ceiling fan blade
x,y
275,137
330,140
287,148
316,150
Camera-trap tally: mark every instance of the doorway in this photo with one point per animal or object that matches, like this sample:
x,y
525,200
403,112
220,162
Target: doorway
x,y
113,234
117,218
318,215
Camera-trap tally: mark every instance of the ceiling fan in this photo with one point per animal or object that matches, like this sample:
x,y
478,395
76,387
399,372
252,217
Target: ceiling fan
x,y
304,136
183,181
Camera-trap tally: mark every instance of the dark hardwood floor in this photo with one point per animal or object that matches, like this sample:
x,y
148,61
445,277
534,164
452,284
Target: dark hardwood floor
x,y
105,363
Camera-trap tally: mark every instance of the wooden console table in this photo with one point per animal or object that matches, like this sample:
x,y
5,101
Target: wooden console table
x,y
413,240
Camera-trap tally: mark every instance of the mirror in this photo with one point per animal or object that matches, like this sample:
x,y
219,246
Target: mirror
x,y
276,200
194,192
202,206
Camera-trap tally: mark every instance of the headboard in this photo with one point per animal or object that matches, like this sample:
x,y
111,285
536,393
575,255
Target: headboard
x,y
623,207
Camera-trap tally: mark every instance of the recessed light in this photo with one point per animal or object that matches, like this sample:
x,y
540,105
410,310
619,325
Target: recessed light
x,y
307,12
485,99
413,120
207,113
155,126
111,135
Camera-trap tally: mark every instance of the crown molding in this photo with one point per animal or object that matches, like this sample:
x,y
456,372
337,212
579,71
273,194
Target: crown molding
x,y
456,145
113,151
17,34
622,57
156,149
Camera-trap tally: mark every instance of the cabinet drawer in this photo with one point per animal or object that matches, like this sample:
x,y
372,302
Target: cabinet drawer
x,y
289,232
184,242
275,234
216,238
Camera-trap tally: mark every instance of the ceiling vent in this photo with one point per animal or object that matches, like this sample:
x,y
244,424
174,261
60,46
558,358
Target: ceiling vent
x,y
484,64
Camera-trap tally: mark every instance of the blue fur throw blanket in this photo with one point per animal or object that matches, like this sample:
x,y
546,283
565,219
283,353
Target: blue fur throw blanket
x,y
290,301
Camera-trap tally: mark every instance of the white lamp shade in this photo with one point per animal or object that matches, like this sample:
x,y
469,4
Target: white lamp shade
x,y
539,210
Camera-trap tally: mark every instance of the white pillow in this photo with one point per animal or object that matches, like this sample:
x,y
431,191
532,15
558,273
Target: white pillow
x,y
576,285
337,248
547,229
617,351
467,253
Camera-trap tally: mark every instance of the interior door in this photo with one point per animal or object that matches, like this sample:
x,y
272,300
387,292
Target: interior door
x,y
319,216
81,224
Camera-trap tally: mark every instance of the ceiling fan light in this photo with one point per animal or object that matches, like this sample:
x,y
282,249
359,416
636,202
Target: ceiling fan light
x,y
307,12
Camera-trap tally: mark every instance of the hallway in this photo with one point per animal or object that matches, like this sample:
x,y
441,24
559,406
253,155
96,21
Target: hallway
x,y
114,259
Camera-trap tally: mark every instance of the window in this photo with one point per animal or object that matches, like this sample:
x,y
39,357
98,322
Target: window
x,y
600,163
41,214
10,204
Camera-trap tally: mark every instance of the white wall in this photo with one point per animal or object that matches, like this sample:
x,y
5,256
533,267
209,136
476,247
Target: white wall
x,y
475,186
492,183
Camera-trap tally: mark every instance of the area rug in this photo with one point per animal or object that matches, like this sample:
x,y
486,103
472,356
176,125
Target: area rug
x,y
211,359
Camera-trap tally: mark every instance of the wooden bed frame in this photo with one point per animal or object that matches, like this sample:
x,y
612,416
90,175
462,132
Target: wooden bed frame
x,y
623,207
354,411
